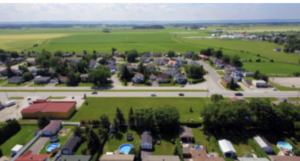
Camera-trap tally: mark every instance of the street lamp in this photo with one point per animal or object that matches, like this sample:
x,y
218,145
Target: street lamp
x,y
298,92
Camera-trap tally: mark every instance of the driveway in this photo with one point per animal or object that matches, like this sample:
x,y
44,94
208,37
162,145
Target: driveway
x,y
38,145
145,154
154,83
116,81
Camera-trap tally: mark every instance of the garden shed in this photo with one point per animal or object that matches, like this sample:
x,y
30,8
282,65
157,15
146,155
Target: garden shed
x,y
263,143
227,148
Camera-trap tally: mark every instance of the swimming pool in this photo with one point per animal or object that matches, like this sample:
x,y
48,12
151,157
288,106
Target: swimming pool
x,y
52,146
198,147
125,148
285,145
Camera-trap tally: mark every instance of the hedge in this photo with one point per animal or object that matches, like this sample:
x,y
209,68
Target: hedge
x,y
179,149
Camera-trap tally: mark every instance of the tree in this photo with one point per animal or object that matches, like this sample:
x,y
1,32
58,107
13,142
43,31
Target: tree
x,y
167,118
235,60
171,54
43,121
73,53
146,75
93,141
231,84
113,50
132,55
104,120
82,66
44,55
141,68
106,30
45,64
116,123
133,152
3,57
262,113
103,61
216,98
196,72
54,61
144,117
1,153
100,75
125,74
27,76
10,73
77,130
84,52
94,56
58,53
131,116
256,75
14,54
226,59
120,116
219,54
73,78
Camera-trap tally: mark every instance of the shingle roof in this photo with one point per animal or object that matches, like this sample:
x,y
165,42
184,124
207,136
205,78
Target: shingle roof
x,y
185,131
52,125
53,106
15,78
74,158
146,137
285,158
201,155
139,75
28,156
163,76
262,142
169,70
71,142
161,158
128,157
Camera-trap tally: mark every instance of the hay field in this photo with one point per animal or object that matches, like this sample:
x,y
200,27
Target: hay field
x,y
31,36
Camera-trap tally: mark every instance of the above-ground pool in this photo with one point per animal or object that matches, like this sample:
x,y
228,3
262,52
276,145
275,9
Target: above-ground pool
x,y
198,147
285,145
52,146
125,148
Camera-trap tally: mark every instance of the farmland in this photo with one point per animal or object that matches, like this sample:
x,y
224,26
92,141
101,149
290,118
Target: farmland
x,y
269,68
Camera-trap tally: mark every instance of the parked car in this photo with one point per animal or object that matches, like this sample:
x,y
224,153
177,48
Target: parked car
x,y
274,89
182,85
95,92
238,94
153,94
181,94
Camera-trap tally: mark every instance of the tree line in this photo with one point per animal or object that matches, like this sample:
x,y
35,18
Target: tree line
x,y
149,27
8,130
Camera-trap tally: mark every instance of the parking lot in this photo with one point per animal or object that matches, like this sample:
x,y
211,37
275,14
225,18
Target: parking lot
x,y
288,82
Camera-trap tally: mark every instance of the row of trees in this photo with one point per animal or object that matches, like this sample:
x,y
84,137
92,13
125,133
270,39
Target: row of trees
x,y
233,60
212,52
195,72
8,130
257,75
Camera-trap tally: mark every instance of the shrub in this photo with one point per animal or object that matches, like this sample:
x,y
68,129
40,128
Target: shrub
x,y
293,139
250,60
272,60
82,121
296,152
83,151
1,154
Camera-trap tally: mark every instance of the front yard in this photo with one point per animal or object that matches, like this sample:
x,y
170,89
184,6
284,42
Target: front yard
x,y
168,84
15,85
38,85
220,72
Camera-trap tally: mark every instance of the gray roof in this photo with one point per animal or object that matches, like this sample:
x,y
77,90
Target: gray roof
x,y
161,158
15,78
120,157
228,78
185,131
262,142
52,125
71,143
146,137
186,148
252,159
42,78
169,70
178,75
74,158
194,63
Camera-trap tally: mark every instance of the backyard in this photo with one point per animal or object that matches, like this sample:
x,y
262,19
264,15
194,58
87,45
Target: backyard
x,y
166,146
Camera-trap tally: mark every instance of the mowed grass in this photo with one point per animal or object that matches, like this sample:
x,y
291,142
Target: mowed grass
x,y
269,68
19,44
166,146
262,98
100,105
14,85
16,97
294,98
199,136
22,137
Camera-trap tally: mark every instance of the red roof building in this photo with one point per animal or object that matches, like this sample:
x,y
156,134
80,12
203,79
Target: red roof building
x,y
51,109
28,156
204,57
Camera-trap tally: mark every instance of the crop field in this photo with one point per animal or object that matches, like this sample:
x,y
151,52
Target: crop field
x,y
271,68
255,28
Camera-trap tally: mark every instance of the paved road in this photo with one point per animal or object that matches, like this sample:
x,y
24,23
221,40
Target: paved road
x,y
38,145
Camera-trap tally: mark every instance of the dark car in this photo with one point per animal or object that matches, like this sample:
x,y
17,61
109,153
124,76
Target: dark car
x,y
181,94
238,94
95,92
182,85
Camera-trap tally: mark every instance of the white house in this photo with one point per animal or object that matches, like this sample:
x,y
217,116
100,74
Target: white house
x,y
263,143
248,74
259,83
146,140
227,148
170,71
237,75
179,78
52,128
138,78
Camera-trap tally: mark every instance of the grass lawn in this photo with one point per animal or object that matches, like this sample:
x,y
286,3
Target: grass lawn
x,y
134,90
14,85
294,98
22,137
38,85
120,138
166,147
236,89
283,88
276,68
263,98
57,97
101,105
199,136
141,84
3,81
79,85
62,140
249,78
61,85
16,98
220,72
168,84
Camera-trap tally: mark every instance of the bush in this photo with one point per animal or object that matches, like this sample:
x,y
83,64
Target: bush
x,y
1,154
250,60
296,152
83,151
257,60
272,60
197,81
293,139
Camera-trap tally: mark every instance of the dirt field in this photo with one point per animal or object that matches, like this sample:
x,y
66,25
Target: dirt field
x,y
35,36
288,82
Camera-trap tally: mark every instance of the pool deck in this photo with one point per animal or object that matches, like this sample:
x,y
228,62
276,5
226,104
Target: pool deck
x,y
38,145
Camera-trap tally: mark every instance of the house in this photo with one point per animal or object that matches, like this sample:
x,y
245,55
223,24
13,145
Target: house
x,y
221,64
79,55
127,157
259,83
146,143
71,61
138,78
116,53
228,69
28,156
185,134
201,155
163,78
188,54
204,57
52,128
70,146
166,60
150,67
284,158
66,55
227,148
144,60
172,63
102,55
186,149
179,78
120,55
93,64
157,54
252,159
147,54
112,67
50,109
15,79
277,49
180,60
170,71
41,80
132,68
193,62
235,99
74,158
237,75
297,52
161,158
33,55
160,62
248,74
84,78
17,60
263,144
62,79
152,77
215,60
226,79
31,63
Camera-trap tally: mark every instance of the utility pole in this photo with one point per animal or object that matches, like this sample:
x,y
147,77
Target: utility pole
x,y
6,95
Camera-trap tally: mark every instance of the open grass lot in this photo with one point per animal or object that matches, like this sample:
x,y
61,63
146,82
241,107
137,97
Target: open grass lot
x,y
19,44
235,89
3,81
14,85
100,105
22,137
220,72
283,88
294,98
269,68
168,84
119,138
16,98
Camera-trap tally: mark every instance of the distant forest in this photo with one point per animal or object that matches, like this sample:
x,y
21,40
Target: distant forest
x,y
149,27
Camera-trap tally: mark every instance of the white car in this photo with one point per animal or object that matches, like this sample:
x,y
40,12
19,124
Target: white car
x,y
153,94
274,89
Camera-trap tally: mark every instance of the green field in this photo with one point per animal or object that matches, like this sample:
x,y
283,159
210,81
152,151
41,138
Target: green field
x,y
57,97
38,85
14,85
100,105
16,98
22,137
280,69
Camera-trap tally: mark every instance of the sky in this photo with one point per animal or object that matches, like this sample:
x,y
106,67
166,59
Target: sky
x,y
18,12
